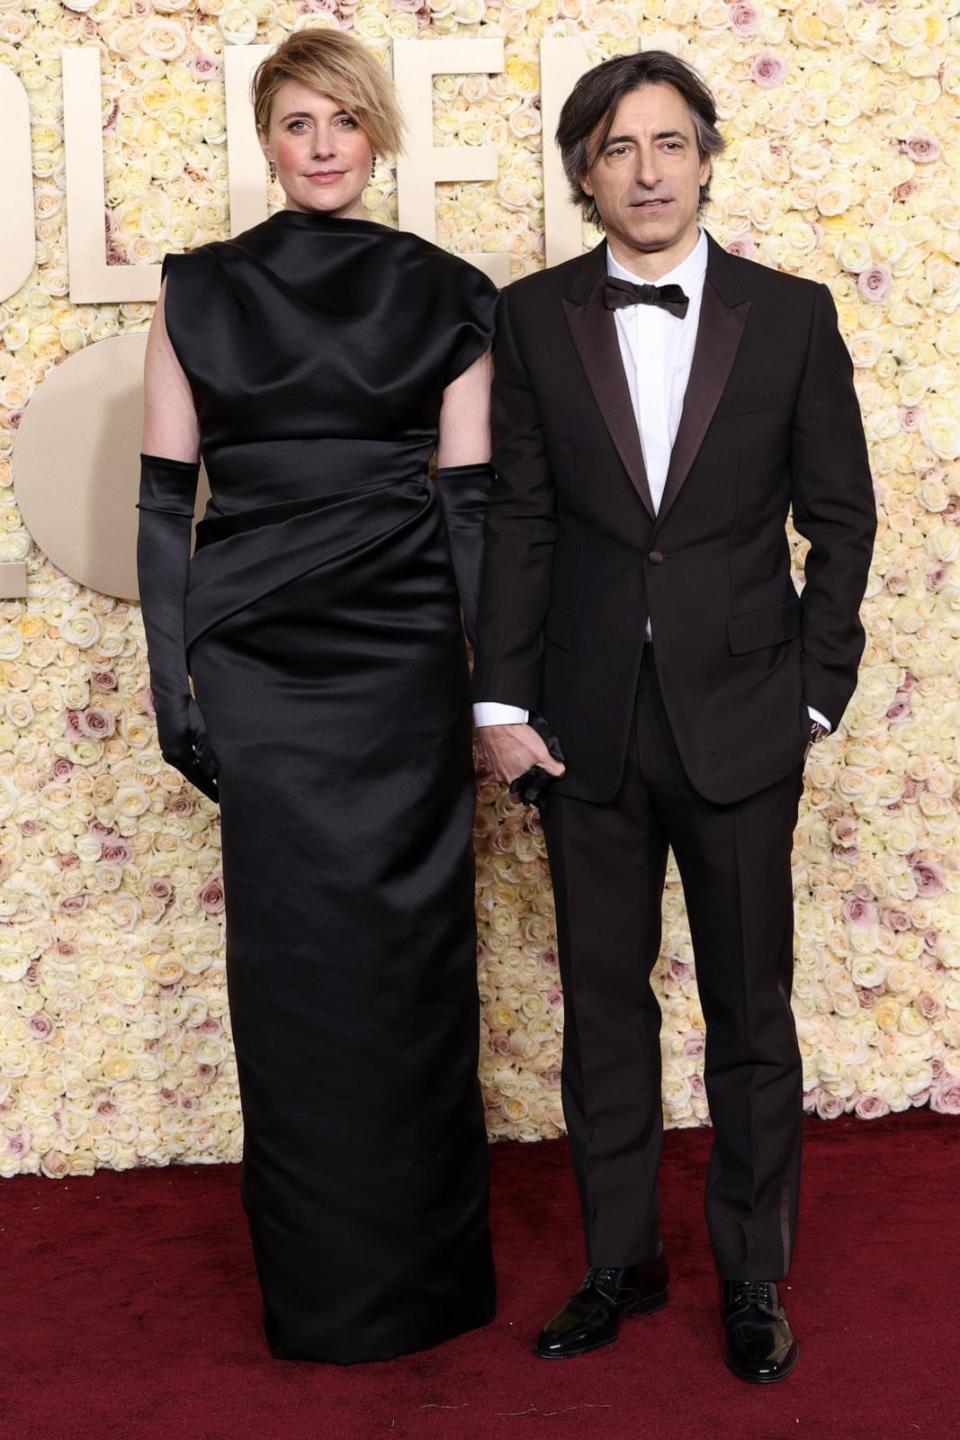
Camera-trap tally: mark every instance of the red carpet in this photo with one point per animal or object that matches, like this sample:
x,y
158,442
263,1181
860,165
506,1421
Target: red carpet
x,y
128,1308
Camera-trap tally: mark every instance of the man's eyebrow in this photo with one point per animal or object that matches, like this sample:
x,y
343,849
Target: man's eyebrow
x,y
660,135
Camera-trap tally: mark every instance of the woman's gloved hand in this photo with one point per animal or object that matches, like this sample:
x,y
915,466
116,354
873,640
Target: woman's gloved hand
x,y
167,492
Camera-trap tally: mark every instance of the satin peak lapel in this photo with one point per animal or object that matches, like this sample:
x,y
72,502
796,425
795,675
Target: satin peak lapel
x,y
594,333
718,339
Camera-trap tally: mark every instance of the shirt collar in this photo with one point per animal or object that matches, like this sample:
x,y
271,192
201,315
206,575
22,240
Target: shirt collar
x,y
687,274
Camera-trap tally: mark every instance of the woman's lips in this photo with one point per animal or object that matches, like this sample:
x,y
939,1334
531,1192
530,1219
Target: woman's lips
x,y
326,177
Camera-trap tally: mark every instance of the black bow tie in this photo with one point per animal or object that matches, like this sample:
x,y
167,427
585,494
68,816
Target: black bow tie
x,y
617,293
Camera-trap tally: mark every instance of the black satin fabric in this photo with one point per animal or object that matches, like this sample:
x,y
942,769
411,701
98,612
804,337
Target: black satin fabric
x,y
325,645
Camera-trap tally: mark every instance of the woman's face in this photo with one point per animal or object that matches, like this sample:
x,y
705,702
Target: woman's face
x,y
322,156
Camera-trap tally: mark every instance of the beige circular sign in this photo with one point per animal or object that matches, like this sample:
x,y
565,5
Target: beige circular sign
x,y
76,466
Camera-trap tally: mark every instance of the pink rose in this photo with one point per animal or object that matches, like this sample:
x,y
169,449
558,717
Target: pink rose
x,y
895,920
929,1006
61,768
500,1041
874,283
868,995
41,1026
871,1107
30,827
904,191
211,896
71,725
210,1026
745,18
204,67
73,904
106,1108
96,724
921,148
911,417
937,577
54,1164
931,939
899,709
860,912
952,512
928,877
679,970
945,1096
104,680
768,70
741,245
182,805
160,888
693,1044
19,1143
118,852
551,1076
66,948
829,1107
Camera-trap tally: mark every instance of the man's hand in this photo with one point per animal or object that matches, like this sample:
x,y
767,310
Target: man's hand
x,y
507,751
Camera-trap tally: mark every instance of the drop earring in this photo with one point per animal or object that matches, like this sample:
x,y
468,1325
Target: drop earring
x,y
273,172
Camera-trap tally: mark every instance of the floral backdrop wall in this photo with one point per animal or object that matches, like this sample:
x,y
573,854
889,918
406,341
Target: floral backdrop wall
x,y
844,124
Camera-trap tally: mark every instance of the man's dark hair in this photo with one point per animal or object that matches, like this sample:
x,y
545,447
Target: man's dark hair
x,y
592,104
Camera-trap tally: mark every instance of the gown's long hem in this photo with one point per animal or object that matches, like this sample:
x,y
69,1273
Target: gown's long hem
x,y
474,1318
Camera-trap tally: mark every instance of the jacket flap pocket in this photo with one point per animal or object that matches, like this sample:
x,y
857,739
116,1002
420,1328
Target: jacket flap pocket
x,y
558,626
763,627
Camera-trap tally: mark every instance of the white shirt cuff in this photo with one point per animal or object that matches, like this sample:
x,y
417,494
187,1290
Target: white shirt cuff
x,y
820,719
488,712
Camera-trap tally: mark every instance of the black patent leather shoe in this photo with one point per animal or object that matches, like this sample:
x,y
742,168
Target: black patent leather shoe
x,y
760,1343
592,1315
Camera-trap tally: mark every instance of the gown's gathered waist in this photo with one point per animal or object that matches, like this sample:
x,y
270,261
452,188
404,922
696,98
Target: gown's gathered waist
x,y
246,554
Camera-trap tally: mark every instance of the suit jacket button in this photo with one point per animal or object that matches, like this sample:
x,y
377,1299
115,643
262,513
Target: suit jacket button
x,y
655,557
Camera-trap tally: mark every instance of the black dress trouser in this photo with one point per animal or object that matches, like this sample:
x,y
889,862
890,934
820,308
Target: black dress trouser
x,y
608,864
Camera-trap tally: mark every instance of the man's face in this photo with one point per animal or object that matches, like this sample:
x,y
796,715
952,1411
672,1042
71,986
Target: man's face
x,y
646,180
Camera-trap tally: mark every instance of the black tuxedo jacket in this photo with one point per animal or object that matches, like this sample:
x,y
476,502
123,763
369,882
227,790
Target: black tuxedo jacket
x,y
576,559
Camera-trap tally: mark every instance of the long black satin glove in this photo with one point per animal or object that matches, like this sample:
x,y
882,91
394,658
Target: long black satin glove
x,y
533,785
167,492
464,490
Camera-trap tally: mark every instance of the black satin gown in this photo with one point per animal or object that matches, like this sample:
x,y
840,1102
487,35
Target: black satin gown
x,y
325,645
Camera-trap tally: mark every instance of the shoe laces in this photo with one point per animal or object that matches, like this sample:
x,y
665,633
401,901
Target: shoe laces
x,y
606,1278
753,1292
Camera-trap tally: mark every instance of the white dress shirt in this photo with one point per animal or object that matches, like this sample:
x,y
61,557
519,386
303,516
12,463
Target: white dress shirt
x,y
657,351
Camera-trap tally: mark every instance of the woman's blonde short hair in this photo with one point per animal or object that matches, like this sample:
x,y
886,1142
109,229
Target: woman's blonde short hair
x,y
338,65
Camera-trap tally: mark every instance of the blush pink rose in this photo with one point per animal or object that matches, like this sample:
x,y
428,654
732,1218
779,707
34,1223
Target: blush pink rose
x,y
929,1006
768,70
829,1107
96,724
952,512
73,904
118,852
922,148
874,283
899,709
500,1042
741,245
896,920
910,416
945,1096
871,1107
937,577
61,768
71,725
860,912
211,896
745,18
679,970
41,1026
104,680
928,878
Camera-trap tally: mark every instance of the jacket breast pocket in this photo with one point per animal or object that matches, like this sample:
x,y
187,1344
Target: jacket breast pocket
x,y
762,628
558,626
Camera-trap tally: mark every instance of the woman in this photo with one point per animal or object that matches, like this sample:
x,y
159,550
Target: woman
x,y
317,361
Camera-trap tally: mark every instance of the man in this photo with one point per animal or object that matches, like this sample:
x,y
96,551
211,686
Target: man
x,y
659,407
